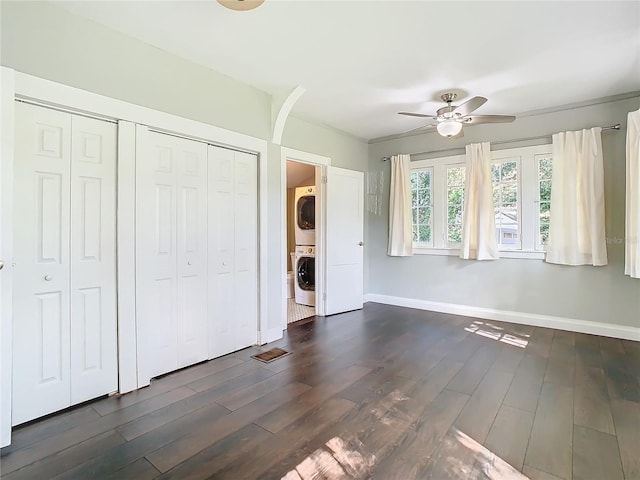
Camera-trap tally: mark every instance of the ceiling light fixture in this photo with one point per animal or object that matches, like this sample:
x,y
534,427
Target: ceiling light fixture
x,y
241,5
449,128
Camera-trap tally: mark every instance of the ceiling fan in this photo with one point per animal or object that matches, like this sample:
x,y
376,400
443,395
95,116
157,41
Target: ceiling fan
x,y
450,119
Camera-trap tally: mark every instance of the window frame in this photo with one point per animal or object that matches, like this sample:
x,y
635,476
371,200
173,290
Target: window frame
x,y
430,170
528,201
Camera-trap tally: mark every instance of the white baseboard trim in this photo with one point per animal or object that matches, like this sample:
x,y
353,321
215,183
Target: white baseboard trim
x,y
271,335
547,321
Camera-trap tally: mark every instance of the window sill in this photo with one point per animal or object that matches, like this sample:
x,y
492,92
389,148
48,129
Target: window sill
x,y
455,252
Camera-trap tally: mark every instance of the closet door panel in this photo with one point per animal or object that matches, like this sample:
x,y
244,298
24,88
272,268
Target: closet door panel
x,y
41,380
94,367
245,243
192,251
156,275
222,296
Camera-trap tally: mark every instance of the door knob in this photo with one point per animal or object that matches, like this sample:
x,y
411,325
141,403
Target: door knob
x,y
48,278
1,264
188,262
361,243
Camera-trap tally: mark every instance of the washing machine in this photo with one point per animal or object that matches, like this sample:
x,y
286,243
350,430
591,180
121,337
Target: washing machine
x,y
305,275
305,211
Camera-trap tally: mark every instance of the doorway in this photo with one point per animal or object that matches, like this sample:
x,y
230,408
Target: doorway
x,y
302,231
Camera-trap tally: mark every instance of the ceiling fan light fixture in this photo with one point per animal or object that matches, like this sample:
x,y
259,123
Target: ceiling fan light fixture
x,y
241,5
449,128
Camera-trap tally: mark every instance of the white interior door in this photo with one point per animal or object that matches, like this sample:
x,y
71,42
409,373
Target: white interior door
x,y
344,240
41,298
170,252
94,362
64,327
191,163
233,283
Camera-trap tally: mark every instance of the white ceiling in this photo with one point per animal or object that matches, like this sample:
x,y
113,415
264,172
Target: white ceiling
x,y
363,61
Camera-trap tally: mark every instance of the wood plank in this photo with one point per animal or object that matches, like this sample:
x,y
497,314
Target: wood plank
x,y
509,359
275,421
478,415
626,416
63,461
139,470
535,474
239,446
123,455
52,445
280,446
509,435
591,403
595,456
470,376
412,454
459,456
200,437
550,446
527,383
50,426
174,411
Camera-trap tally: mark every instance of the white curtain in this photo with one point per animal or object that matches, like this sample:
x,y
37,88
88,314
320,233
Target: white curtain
x,y
632,217
577,231
400,228
478,227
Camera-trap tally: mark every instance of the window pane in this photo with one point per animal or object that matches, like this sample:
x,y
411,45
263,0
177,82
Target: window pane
x,y
509,193
509,171
545,190
455,176
424,215
421,202
425,180
425,233
454,213
454,233
455,195
495,173
544,168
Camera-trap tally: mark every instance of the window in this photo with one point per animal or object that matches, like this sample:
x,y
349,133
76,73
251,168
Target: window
x,y
521,180
504,174
455,204
421,206
544,199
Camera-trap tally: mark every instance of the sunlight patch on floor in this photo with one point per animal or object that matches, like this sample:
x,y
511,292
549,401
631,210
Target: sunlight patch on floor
x,y
497,333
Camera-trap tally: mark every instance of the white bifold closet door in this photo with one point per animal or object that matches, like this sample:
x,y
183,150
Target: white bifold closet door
x,y
171,252
233,230
64,322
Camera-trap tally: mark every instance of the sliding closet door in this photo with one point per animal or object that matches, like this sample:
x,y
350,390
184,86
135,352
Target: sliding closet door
x,y
192,251
233,226
170,252
94,362
65,344
41,308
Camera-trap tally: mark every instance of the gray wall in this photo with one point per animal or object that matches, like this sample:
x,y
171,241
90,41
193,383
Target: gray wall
x,y
601,294
45,40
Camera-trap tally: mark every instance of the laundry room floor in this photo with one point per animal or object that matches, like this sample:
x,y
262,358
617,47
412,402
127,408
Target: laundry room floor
x,y
297,312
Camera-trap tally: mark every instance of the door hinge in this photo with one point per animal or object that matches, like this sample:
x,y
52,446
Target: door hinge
x,y
324,296
324,179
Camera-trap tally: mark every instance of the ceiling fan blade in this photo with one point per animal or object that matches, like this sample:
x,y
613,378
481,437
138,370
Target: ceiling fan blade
x,y
478,119
421,115
423,127
470,105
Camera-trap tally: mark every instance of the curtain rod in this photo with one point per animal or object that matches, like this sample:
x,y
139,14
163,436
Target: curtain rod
x,y
502,142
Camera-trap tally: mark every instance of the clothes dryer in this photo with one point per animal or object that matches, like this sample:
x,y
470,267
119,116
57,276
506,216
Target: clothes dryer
x,y
305,211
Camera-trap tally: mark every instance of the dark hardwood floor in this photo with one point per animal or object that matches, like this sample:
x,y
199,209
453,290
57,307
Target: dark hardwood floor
x,y
385,393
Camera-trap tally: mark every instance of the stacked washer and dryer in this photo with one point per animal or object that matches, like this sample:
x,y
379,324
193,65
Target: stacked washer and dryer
x,y
305,254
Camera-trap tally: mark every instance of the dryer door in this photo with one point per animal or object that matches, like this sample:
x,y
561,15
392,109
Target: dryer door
x,y
306,212
306,273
